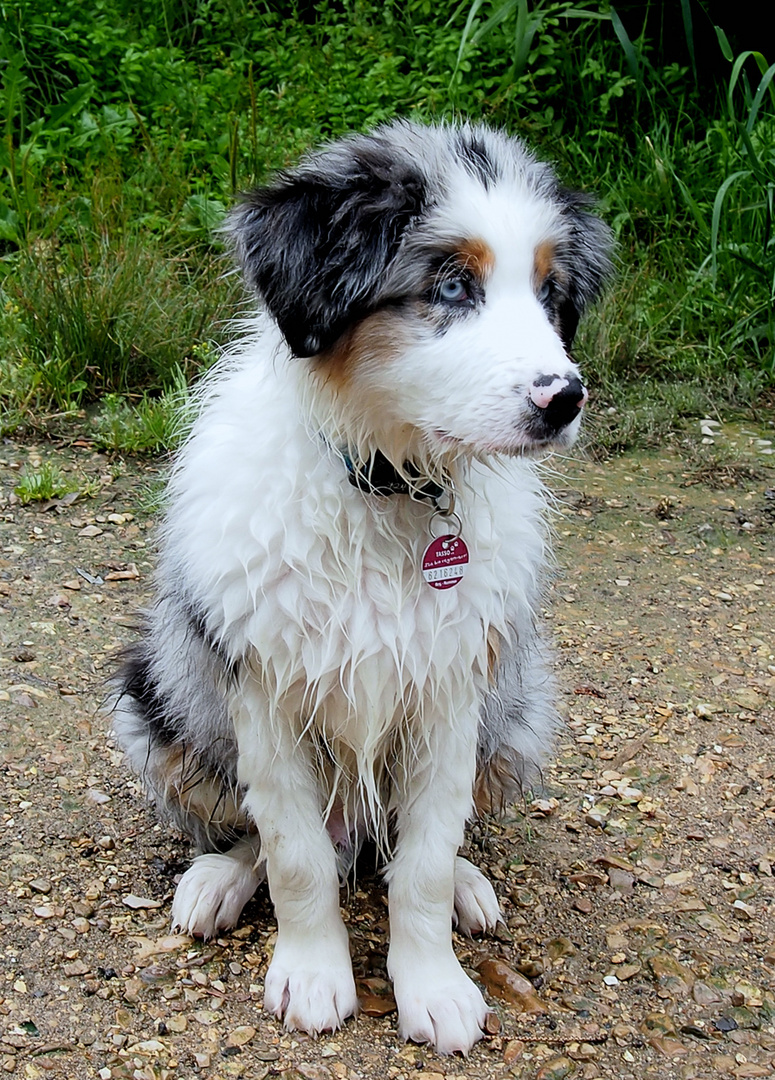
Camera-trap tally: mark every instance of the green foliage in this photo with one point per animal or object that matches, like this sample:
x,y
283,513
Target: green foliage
x,y
128,126
148,427
101,317
43,483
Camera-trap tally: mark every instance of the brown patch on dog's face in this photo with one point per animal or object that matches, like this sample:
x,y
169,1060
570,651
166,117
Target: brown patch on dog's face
x,y
543,264
378,338
478,256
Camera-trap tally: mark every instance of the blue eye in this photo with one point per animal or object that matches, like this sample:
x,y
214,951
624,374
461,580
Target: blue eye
x,y
548,291
453,291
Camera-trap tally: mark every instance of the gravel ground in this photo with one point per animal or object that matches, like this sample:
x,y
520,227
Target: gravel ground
x,y
637,886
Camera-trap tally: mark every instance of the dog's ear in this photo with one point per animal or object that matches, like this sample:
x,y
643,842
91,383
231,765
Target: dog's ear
x,y
586,258
316,243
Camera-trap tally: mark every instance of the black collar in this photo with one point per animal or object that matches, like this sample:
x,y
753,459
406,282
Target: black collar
x,y
378,476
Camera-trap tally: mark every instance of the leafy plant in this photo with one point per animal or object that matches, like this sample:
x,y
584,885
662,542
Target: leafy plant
x,y
42,483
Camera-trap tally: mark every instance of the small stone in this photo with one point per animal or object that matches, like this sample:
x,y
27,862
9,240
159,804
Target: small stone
x,y
559,947
514,1049
99,797
706,995
240,1036
555,1069
725,1024
742,910
139,903
680,877
658,1024
503,982
704,711
41,885
376,997
622,881
671,975
626,971
492,1024
75,969
312,1071
671,1048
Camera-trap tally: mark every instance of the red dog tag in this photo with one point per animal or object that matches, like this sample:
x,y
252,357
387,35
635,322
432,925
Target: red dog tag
x,y
444,562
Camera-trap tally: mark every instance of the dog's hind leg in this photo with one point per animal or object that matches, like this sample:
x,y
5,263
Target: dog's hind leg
x,y
214,890
476,905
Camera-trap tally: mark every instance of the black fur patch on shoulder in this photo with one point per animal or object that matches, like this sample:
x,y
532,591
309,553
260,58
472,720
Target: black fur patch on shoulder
x,y
316,243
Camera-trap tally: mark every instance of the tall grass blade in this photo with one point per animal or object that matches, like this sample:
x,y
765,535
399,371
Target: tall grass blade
x,y
686,13
761,90
718,203
499,15
523,35
473,12
726,48
628,48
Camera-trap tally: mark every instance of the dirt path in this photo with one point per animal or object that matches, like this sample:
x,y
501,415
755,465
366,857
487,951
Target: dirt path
x,y
638,888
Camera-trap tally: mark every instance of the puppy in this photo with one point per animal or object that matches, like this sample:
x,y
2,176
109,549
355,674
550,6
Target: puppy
x,y
344,642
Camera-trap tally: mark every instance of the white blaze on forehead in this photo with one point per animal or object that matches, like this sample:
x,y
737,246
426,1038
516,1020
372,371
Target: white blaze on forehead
x,y
510,218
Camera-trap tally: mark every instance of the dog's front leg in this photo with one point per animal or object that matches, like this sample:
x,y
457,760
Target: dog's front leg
x,y
310,982
437,1002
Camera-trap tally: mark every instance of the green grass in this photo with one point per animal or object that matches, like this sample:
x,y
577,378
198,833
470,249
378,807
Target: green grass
x,y
127,132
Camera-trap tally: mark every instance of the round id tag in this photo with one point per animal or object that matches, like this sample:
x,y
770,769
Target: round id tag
x,y
444,561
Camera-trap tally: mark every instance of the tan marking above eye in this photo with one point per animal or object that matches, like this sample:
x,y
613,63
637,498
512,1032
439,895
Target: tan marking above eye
x,y
543,264
477,255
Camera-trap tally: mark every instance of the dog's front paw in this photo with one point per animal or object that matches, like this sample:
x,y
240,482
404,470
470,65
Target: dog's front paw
x,y
438,1004
476,905
310,984
212,894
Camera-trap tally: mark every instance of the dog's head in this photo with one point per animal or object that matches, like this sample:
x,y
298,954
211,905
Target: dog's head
x,y
437,276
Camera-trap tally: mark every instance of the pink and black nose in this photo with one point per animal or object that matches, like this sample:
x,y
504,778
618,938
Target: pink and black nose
x,y
560,399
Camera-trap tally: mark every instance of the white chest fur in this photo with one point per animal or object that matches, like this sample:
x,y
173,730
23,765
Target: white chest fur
x,y
320,585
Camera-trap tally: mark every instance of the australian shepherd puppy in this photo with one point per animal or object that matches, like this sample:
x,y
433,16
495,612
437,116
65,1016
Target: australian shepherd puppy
x,y
344,642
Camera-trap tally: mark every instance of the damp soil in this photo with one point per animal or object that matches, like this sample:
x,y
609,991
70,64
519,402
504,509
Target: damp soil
x,y
637,885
